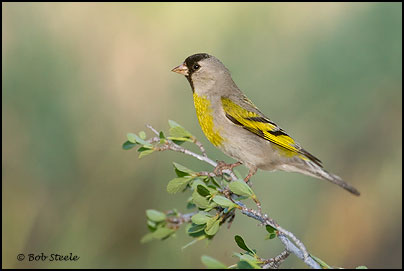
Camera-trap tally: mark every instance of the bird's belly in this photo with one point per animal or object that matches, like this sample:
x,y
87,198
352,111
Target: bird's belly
x,y
250,149
234,141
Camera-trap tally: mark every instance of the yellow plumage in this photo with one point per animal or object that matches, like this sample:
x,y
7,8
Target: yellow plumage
x,y
260,128
263,127
205,118
234,124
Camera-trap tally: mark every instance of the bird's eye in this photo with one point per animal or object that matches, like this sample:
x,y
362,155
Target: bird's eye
x,y
196,66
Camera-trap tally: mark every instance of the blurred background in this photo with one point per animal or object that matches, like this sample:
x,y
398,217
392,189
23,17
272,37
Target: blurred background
x,y
77,77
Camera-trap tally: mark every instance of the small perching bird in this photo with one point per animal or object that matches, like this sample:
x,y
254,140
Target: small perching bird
x,y
232,123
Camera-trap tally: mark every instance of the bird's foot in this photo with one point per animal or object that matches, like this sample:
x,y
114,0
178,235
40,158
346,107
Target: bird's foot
x,y
221,166
250,174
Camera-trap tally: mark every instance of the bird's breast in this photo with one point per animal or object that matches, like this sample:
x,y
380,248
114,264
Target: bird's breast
x,y
204,112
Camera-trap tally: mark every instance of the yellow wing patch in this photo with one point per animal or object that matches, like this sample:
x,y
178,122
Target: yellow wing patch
x,y
258,125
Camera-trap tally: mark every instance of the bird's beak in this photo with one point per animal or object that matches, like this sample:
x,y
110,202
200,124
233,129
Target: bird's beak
x,y
181,69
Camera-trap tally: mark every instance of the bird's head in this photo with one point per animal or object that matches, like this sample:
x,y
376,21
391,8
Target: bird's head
x,y
203,72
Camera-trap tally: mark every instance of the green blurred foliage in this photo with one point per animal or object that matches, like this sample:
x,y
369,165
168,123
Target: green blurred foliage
x,y
77,77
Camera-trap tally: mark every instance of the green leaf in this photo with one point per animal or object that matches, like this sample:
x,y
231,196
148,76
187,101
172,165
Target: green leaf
x,y
239,187
190,205
180,173
177,184
241,244
200,218
244,265
159,234
179,140
131,137
152,225
211,221
155,215
197,182
272,232
202,190
178,131
147,238
213,180
361,267
144,153
224,202
250,260
270,236
142,135
194,228
270,229
212,263
144,148
183,169
128,145
135,138
199,201
212,230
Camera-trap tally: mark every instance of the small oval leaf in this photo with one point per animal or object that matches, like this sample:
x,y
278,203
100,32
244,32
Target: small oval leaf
x,y
177,184
131,137
181,168
239,187
128,145
270,229
224,202
144,153
199,201
142,135
212,263
155,215
202,190
212,230
196,228
200,218
135,138
161,233
178,131
241,244
244,265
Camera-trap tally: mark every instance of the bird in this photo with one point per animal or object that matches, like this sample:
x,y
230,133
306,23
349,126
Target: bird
x,y
233,124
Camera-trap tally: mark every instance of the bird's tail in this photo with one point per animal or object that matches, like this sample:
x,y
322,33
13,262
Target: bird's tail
x,y
312,169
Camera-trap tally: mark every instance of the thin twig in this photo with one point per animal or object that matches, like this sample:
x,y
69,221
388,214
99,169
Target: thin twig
x,y
275,262
177,148
206,173
151,128
300,252
200,145
299,249
179,218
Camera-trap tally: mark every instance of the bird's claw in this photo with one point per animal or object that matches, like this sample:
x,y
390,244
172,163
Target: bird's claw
x,y
221,166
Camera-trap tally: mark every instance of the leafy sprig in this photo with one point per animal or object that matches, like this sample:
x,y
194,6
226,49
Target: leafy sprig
x,y
214,200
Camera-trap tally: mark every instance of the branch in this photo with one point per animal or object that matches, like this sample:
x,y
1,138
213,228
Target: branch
x,y
275,262
170,145
288,239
